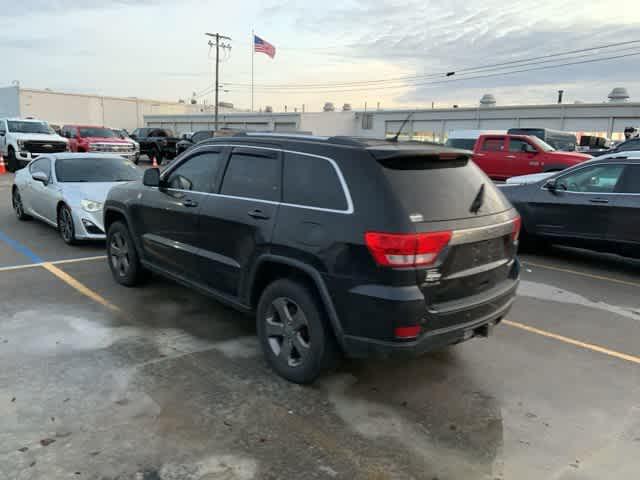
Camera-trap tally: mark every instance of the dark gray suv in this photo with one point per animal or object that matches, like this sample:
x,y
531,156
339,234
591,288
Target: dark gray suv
x,y
338,245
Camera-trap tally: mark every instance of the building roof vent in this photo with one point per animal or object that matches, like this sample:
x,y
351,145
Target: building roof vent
x,y
487,101
268,109
329,107
346,107
618,95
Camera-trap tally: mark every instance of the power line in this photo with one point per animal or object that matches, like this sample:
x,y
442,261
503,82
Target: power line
x,y
458,79
451,72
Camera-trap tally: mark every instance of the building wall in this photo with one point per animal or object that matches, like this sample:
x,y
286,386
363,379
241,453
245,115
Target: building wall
x,y
121,112
604,119
263,122
9,102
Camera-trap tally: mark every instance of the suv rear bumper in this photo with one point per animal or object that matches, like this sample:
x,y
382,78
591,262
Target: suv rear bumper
x,y
373,311
358,347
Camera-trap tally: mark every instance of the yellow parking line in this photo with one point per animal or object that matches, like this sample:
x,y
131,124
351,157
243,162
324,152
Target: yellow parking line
x,y
584,274
571,341
86,291
56,262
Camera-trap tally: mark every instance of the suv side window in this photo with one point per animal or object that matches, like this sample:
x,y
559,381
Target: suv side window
x,y
630,182
41,165
312,182
595,179
200,173
253,173
493,145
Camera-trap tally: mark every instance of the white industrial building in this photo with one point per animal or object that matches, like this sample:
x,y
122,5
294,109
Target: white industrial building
x,y
606,119
62,108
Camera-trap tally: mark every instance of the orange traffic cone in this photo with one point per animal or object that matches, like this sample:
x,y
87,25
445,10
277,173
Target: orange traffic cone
x,y
155,162
3,167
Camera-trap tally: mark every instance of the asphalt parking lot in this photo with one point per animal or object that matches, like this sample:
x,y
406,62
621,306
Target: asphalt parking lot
x,y
159,383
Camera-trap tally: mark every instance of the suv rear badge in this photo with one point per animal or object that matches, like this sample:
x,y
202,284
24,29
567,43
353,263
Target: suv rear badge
x,y
432,276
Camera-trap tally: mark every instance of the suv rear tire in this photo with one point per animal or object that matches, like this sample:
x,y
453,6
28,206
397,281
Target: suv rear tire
x,y
123,257
295,337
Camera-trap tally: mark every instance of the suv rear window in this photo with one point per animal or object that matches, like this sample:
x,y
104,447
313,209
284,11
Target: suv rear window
x,y
441,189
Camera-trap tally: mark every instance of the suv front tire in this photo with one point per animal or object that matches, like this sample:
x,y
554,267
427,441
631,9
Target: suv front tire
x,y
295,338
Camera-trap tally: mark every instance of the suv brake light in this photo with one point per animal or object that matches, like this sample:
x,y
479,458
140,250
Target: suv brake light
x,y
517,225
406,250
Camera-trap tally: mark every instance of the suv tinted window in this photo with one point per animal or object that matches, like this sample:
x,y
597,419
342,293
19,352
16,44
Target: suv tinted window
x,y
312,182
252,175
493,145
630,182
595,179
41,165
442,189
199,174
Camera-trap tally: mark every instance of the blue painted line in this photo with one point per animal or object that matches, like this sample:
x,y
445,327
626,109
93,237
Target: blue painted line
x,y
18,247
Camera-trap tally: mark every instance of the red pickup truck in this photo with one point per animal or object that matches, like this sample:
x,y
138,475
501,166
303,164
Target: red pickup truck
x,y
505,156
85,138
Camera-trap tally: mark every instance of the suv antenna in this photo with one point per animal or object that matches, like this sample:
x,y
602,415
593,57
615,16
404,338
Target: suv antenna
x,y
395,139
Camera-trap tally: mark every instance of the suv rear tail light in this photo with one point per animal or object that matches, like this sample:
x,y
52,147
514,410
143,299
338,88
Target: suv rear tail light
x,y
406,250
517,225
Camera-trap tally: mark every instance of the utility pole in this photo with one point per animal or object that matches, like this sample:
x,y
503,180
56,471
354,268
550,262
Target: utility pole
x,y
217,44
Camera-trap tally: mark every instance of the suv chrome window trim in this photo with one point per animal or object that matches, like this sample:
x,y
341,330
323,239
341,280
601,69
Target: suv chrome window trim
x,y
343,183
590,193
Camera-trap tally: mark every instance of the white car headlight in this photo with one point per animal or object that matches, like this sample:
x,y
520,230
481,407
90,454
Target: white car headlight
x,y
91,206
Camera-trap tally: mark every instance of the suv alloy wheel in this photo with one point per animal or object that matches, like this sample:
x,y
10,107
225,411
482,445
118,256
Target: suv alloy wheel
x,y
293,333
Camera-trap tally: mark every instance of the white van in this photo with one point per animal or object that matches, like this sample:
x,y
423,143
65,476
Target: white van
x,y
466,139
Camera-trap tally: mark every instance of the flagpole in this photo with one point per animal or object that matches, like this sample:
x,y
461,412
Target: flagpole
x,y
253,52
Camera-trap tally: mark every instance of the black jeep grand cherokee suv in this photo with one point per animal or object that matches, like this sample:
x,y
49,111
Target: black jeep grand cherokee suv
x,y
340,245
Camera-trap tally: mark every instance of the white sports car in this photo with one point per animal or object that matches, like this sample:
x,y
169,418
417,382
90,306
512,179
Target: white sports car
x,y
67,191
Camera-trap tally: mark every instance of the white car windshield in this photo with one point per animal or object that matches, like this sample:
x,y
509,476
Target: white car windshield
x,y
75,170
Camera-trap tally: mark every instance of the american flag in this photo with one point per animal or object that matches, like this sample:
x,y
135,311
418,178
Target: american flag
x,y
262,46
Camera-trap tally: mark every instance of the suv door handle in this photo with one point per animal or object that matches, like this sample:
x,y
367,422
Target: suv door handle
x,y
189,203
259,214
599,200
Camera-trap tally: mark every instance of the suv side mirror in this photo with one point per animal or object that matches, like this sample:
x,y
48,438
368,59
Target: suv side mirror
x,y
40,177
133,136
151,177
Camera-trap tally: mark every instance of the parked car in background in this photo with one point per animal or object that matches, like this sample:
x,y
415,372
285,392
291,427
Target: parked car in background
x,y
67,191
156,142
419,256
190,139
22,140
594,205
630,145
85,138
466,139
123,134
561,141
505,156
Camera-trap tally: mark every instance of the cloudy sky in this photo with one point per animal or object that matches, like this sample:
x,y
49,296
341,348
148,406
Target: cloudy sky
x,y
157,49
